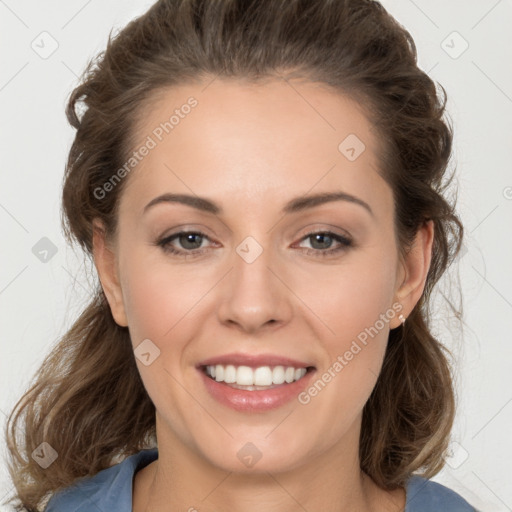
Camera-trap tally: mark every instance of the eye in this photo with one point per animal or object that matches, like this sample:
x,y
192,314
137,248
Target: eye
x,y
323,241
190,241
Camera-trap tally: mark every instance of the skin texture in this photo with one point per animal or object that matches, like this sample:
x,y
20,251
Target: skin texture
x,y
250,149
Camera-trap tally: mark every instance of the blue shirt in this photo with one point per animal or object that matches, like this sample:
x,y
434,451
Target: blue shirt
x,y
110,490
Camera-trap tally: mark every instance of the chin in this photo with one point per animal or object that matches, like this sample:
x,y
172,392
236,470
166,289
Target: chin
x,y
256,456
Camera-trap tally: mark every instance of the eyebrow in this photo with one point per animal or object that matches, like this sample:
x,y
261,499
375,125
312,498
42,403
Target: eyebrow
x,y
293,206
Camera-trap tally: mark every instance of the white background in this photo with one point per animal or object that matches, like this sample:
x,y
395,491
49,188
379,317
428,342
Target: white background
x,y
39,301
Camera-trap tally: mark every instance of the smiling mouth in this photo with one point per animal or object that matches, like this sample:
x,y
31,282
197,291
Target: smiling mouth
x,y
255,379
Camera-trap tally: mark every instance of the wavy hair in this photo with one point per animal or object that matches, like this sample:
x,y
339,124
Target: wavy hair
x,y
87,399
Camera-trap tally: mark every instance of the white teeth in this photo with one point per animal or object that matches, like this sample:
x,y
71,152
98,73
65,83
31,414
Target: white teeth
x,y
219,373
244,376
230,374
289,374
278,375
261,376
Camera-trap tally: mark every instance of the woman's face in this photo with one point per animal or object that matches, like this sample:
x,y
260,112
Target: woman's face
x,y
255,280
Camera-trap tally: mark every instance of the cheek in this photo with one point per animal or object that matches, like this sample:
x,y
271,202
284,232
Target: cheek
x,y
150,305
349,297
370,309
159,298
357,310
356,305
159,302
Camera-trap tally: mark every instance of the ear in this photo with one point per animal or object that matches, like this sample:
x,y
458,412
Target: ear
x,y
415,268
105,261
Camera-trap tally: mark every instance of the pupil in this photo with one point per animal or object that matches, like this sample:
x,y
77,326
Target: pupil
x,y
189,238
321,238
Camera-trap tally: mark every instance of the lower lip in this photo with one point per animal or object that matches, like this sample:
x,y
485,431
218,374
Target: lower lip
x,y
255,401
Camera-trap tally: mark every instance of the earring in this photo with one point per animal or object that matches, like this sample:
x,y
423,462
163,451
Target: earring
x,y
401,318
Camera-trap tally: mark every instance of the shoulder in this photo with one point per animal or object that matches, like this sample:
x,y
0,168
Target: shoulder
x,y
110,489
427,496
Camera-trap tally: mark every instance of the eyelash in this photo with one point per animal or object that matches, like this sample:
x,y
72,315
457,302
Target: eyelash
x,y
165,244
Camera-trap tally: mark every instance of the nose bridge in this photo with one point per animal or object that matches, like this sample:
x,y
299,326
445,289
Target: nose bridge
x,y
254,296
251,264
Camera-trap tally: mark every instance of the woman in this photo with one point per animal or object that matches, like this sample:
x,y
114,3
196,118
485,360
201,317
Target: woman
x,y
259,185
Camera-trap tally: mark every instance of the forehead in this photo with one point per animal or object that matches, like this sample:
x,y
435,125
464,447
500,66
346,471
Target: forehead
x,y
237,141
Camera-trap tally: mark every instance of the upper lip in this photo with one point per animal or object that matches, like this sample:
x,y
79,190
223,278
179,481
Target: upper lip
x,y
253,360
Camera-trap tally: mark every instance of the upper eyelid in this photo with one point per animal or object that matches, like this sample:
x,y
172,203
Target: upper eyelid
x,y
204,230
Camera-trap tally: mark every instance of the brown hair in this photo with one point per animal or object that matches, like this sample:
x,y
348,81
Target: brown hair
x,y
88,401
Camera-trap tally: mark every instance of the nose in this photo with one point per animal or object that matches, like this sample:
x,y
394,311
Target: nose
x,y
254,295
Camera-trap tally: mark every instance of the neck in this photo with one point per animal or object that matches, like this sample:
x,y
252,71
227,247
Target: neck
x,y
180,479
272,492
